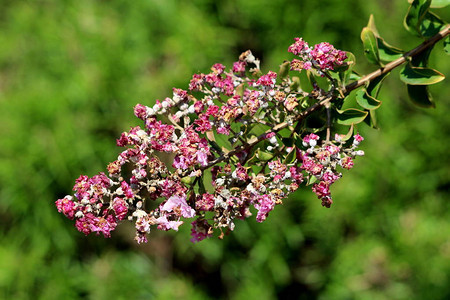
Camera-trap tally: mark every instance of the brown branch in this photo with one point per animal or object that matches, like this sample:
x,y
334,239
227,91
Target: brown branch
x,y
347,89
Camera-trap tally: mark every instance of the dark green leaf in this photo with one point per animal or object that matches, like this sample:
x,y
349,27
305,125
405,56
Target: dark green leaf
x,y
290,158
366,101
288,142
415,15
370,46
351,116
420,76
371,119
201,185
431,25
420,95
374,86
421,59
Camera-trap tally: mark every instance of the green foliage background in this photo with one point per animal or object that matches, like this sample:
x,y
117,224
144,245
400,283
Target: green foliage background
x,y
70,73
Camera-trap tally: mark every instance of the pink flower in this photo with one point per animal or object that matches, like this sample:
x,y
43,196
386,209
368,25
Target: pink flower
x,y
120,208
178,205
165,224
205,202
298,47
104,225
239,67
264,205
267,80
200,230
322,189
347,162
66,206
140,111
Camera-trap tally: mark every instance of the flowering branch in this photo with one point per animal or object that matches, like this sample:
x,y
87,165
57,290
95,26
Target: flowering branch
x,y
214,131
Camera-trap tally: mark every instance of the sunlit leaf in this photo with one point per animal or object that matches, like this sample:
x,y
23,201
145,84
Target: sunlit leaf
x,y
420,96
370,46
366,101
387,52
431,25
351,116
420,76
263,155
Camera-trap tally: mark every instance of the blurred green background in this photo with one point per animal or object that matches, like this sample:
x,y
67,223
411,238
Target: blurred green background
x,y
70,74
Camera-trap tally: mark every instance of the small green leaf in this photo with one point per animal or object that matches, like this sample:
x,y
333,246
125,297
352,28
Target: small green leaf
x,y
420,76
311,180
201,185
366,101
349,134
370,46
263,155
188,180
351,116
344,75
295,83
431,25
387,52
371,119
290,158
420,96
284,70
375,85
415,15
447,45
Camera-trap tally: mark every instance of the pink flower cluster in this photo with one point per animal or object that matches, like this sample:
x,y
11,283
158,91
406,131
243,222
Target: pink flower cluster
x,y
322,57
208,133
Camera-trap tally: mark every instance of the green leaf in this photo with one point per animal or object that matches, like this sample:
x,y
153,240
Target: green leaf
x,y
351,116
263,155
284,70
201,185
371,119
345,74
295,83
348,135
421,59
375,85
290,158
447,45
431,25
420,96
387,52
370,46
416,13
420,76
366,101
437,3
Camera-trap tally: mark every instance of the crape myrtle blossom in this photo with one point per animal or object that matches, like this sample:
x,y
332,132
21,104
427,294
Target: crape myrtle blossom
x,y
216,174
